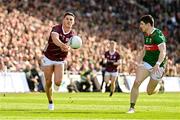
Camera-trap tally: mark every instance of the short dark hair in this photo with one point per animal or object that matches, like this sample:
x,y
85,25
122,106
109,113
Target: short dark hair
x,y
147,19
69,13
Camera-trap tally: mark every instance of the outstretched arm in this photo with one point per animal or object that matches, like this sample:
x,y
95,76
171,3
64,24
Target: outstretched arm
x,y
57,41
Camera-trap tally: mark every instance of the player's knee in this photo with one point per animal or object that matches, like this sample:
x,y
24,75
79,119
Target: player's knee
x,y
113,82
136,84
58,82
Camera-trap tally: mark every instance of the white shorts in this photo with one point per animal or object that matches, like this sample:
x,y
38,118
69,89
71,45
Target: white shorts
x,y
114,74
155,76
47,62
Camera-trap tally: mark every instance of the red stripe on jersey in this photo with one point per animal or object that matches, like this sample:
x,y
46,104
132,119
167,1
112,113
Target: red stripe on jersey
x,y
151,47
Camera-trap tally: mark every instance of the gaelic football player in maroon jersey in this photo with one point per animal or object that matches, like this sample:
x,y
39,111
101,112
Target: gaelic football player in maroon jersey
x,y
113,60
55,54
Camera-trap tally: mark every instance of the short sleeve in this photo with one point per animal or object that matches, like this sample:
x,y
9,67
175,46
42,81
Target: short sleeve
x,y
119,56
56,29
159,38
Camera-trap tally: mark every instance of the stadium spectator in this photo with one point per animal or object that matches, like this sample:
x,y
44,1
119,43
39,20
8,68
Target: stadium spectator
x,y
85,83
33,78
24,32
73,86
1,65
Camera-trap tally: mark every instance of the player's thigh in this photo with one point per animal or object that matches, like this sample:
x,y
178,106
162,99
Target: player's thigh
x,y
58,72
48,71
113,79
114,76
141,74
152,85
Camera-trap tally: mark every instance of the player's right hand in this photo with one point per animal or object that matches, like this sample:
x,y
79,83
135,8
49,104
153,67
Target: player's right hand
x,y
64,47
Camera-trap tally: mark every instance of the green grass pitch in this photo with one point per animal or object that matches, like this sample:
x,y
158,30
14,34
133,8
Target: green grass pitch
x,y
89,106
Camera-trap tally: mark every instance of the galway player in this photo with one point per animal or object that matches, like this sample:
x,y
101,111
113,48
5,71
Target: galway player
x,y
113,60
55,54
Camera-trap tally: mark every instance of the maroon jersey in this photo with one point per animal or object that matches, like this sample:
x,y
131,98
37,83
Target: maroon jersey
x,y
54,52
111,58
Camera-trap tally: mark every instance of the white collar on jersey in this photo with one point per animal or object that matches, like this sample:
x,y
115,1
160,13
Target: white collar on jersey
x,y
111,52
153,30
65,32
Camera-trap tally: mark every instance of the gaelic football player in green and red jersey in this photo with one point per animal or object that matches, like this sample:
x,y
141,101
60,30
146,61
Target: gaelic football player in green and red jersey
x,y
152,60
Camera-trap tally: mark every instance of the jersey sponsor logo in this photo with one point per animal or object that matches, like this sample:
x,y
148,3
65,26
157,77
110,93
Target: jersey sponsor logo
x,y
151,47
148,40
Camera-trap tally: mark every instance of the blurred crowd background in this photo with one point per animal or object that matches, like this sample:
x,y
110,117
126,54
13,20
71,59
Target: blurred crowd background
x,y
26,24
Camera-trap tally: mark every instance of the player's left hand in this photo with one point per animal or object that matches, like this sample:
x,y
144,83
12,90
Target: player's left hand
x,y
65,48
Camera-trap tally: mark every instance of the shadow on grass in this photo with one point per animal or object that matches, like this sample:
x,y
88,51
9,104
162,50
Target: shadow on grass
x,y
40,111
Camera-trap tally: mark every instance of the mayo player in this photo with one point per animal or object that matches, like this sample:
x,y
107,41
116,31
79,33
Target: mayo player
x,y
152,60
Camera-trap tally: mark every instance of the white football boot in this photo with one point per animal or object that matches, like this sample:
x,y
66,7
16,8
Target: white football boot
x,y
51,106
131,110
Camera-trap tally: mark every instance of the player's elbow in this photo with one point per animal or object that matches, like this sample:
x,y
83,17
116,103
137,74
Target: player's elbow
x,y
163,53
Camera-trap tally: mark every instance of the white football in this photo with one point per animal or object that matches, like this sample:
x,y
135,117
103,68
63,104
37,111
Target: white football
x,y
75,42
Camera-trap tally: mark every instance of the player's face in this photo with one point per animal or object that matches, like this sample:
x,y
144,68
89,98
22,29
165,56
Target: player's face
x,y
143,26
112,46
68,21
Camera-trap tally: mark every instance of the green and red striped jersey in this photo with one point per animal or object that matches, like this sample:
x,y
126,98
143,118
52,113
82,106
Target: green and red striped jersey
x,y
151,43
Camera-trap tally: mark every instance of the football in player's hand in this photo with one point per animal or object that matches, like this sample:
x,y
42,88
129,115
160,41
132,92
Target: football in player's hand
x,y
75,42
